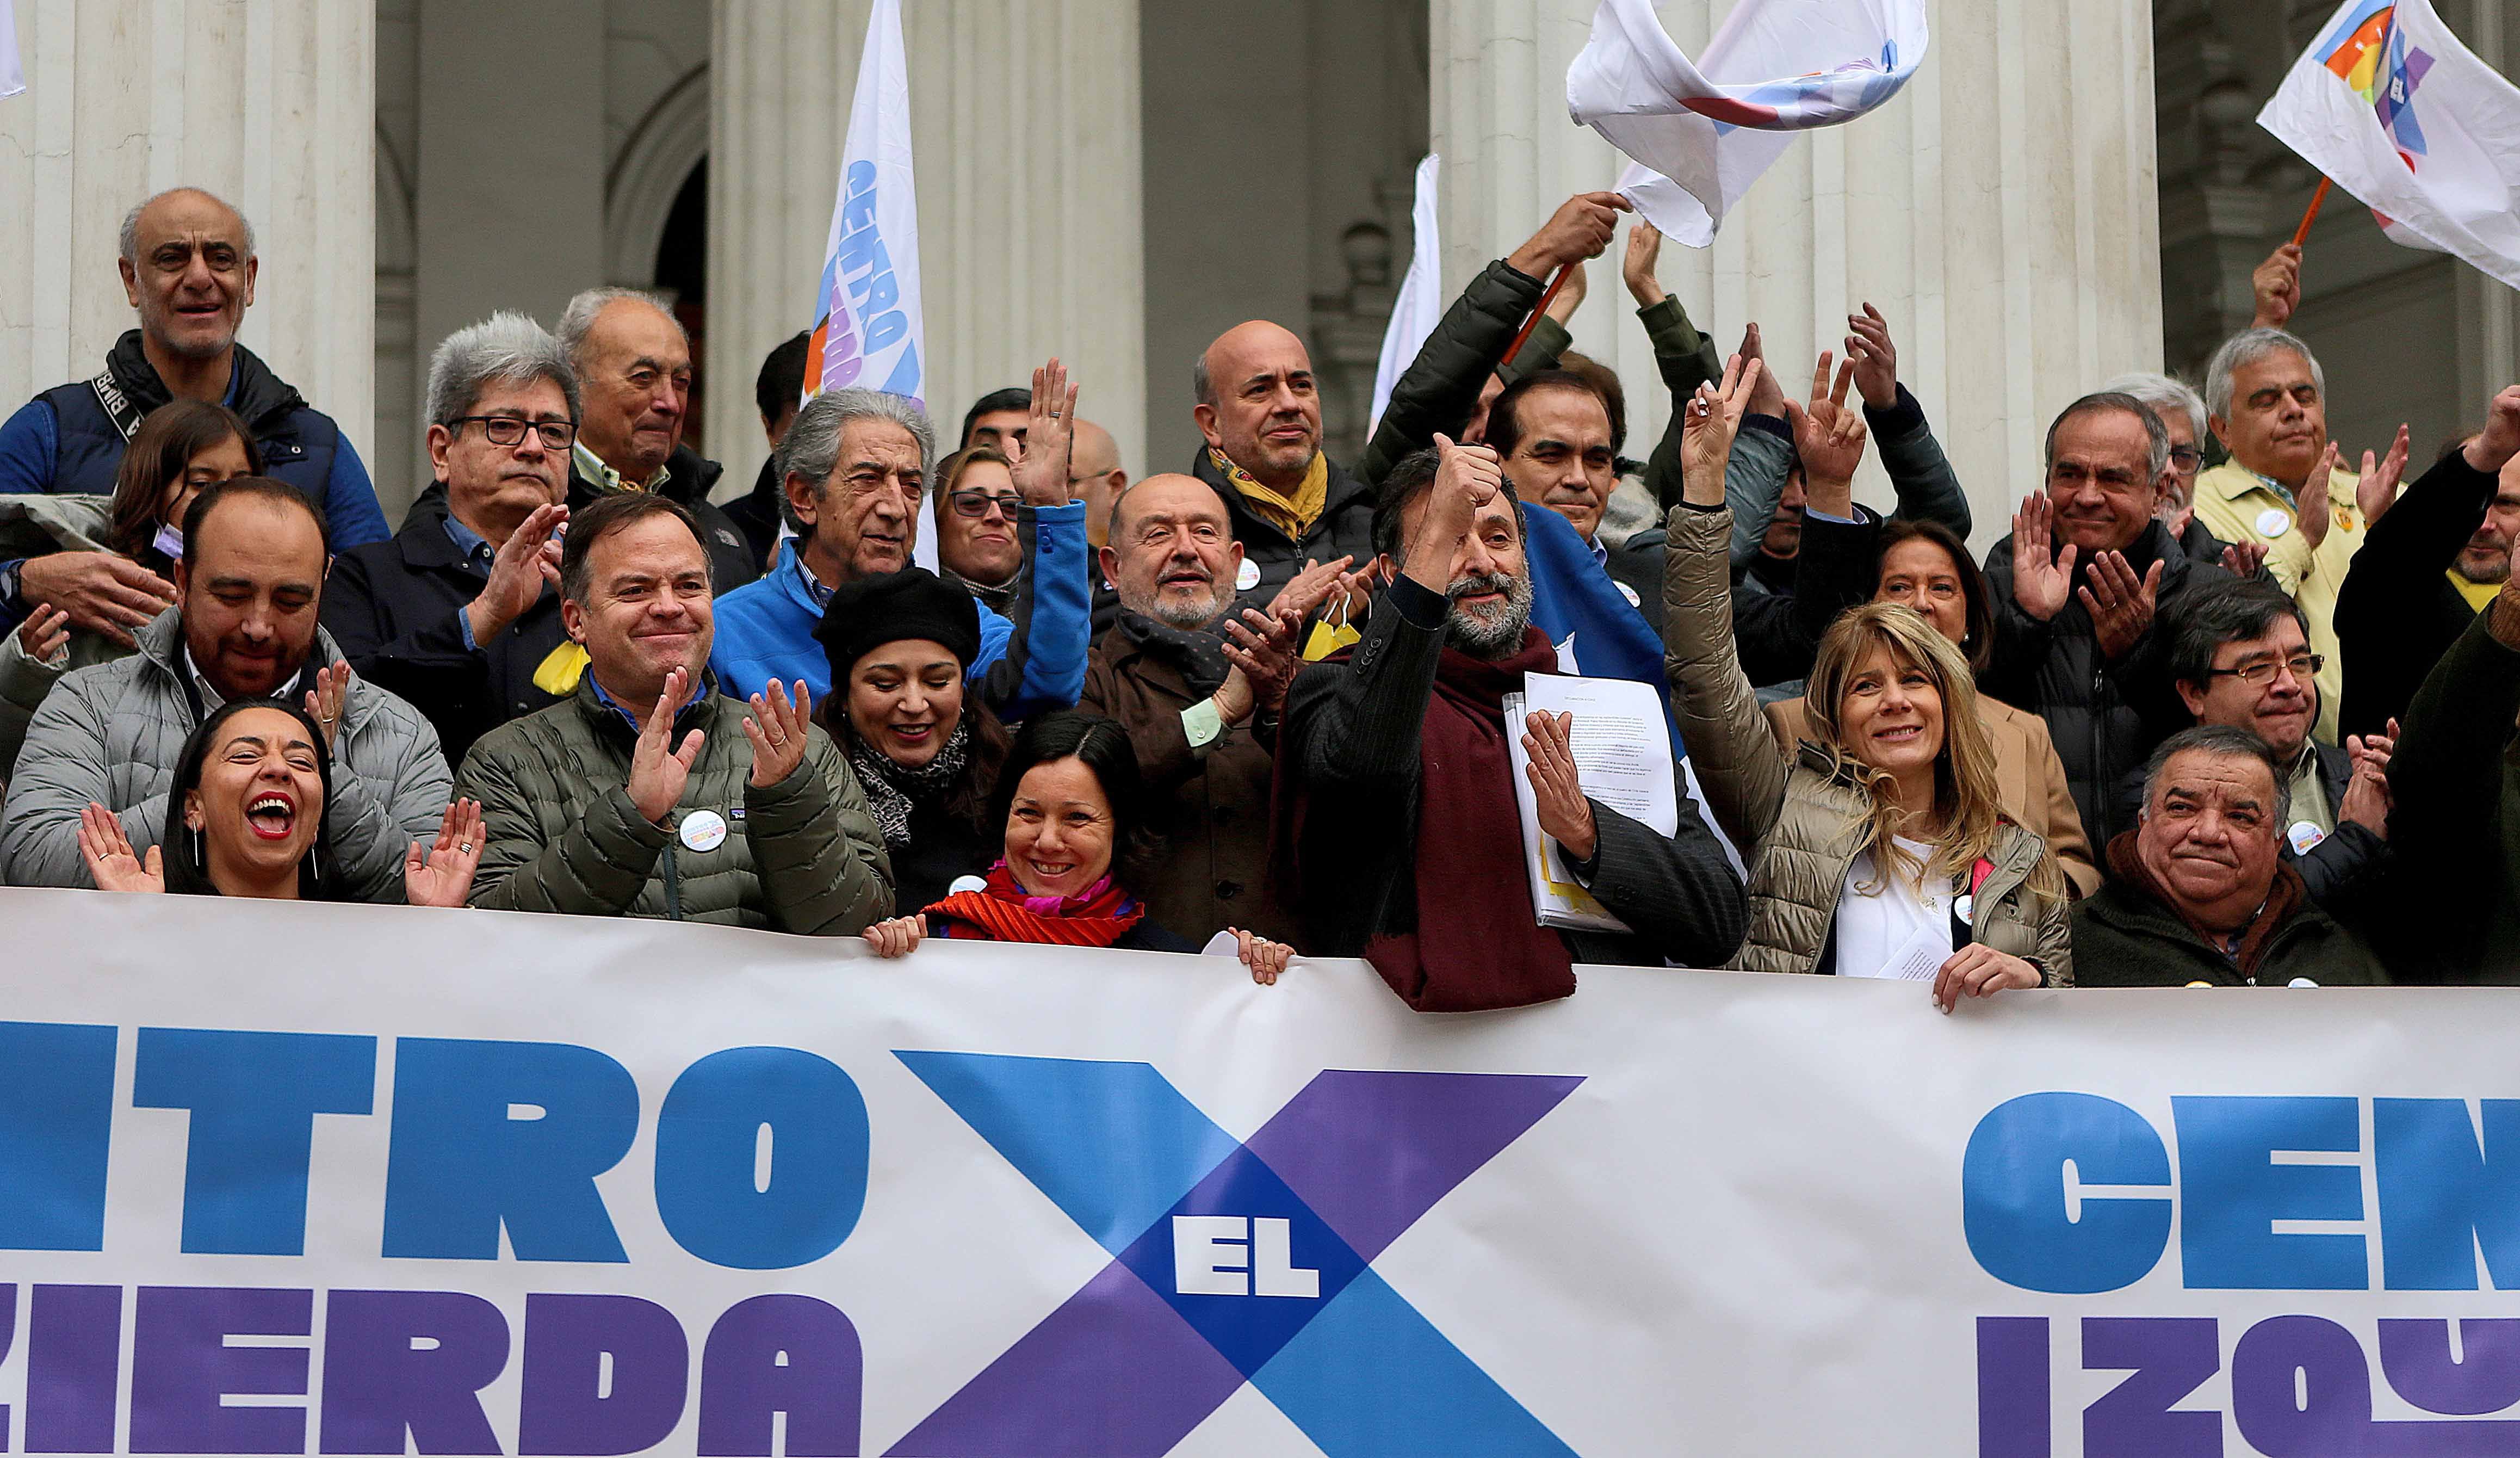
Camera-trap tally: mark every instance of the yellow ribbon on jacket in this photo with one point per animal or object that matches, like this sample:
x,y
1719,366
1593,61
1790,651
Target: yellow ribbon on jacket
x,y
557,674
1292,515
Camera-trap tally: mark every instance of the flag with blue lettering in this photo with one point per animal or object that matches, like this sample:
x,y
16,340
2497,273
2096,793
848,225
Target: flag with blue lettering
x,y
1698,133
867,327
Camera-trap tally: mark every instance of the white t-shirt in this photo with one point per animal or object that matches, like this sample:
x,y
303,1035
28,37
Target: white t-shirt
x,y
1899,929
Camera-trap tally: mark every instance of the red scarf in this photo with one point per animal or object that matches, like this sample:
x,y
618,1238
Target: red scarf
x,y
1006,912
1478,945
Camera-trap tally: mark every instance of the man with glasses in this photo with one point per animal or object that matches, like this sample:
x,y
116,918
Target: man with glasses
x,y
855,467
633,364
2241,659
452,613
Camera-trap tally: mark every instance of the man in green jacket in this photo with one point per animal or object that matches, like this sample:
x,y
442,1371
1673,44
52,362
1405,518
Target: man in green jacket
x,y
2198,893
639,795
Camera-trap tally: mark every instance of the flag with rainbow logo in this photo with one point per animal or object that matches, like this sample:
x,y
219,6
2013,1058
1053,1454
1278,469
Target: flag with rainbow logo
x,y
2390,105
1698,133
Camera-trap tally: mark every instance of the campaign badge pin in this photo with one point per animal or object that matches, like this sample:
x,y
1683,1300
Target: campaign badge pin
x,y
1630,594
1248,576
704,831
2271,523
2305,836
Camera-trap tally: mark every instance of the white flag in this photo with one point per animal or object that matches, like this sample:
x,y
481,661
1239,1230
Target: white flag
x,y
1701,134
867,327
1421,294
12,80
2397,112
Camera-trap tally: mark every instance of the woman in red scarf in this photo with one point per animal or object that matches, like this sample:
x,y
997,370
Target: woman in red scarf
x,y
1070,799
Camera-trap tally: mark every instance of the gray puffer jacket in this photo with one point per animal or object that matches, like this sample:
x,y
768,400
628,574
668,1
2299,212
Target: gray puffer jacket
x,y
111,734
801,855
1799,824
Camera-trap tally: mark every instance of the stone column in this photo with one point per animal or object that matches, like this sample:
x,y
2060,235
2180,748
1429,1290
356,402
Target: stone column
x,y
1024,126
271,106
2000,211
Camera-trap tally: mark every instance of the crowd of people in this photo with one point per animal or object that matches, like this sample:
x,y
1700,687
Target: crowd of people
x,y
2224,708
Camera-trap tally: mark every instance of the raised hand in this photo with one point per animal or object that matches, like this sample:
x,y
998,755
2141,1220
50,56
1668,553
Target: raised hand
x,y
1769,398
2276,283
1578,230
526,562
1569,298
2374,750
1267,959
1636,265
1565,815
107,854
441,875
1829,438
1874,357
1706,431
779,729
2497,442
657,772
45,632
2243,560
1467,479
897,937
2366,802
102,591
2377,490
2311,504
1980,971
2120,603
324,701
2041,584
1041,475
1265,656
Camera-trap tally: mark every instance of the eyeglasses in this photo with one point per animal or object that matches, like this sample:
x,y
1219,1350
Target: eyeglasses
x,y
978,503
506,430
2187,457
2303,665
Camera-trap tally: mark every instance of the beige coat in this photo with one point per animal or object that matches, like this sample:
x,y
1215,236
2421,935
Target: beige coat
x,y
1799,826
2029,777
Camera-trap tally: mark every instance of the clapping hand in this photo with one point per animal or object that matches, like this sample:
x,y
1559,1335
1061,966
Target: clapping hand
x,y
1874,357
2244,560
779,729
1706,433
1311,587
657,773
2378,489
441,875
526,562
2368,800
1262,650
2041,584
1565,815
107,854
1636,266
324,701
1041,475
2120,603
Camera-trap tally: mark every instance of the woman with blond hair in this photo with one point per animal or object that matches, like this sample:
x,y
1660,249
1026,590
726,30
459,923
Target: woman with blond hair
x,y
1878,847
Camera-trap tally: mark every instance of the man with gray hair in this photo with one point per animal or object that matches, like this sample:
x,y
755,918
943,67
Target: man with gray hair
x,y
2183,415
633,364
453,612
2286,484
188,267
2198,893
855,467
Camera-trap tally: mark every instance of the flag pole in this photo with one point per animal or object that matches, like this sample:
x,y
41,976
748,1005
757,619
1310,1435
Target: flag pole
x,y
1528,325
2301,234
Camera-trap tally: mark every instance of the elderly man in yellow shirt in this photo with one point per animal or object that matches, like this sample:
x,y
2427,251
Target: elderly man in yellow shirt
x,y
2285,486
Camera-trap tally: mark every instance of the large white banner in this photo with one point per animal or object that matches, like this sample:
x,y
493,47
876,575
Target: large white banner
x,y
380,1180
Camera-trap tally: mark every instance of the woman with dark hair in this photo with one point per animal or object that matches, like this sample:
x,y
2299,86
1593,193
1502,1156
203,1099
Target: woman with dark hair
x,y
245,818
1072,810
1925,567
182,448
923,745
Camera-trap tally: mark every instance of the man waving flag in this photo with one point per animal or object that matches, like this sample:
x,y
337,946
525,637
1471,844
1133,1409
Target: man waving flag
x,y
1700,133
2396,110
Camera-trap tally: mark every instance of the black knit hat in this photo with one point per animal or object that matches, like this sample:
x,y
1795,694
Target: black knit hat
x,y
868,613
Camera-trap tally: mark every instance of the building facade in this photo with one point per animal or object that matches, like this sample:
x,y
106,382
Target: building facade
x,y
2067,190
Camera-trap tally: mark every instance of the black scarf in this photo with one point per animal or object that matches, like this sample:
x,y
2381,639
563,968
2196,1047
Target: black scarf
x,y
893,790
1197,654
262,398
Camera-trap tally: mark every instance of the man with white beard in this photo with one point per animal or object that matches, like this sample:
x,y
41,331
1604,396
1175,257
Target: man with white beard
x,y
1199,688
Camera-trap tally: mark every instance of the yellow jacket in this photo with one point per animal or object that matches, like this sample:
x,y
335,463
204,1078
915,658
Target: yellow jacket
x,y
2238,506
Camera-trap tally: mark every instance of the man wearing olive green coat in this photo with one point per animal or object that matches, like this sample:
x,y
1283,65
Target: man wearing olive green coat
x,y
647,793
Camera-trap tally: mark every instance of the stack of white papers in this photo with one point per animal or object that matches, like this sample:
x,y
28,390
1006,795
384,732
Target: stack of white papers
x,y
1622,759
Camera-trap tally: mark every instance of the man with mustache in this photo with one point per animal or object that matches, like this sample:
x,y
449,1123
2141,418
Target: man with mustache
x,y
455,612
1396,821
1200,688
855,468
2079,587
188,268
2198,893
249,583
2285,486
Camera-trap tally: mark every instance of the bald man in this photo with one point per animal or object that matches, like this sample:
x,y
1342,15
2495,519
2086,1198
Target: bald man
x,y
1261,414
1095,477
188,269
